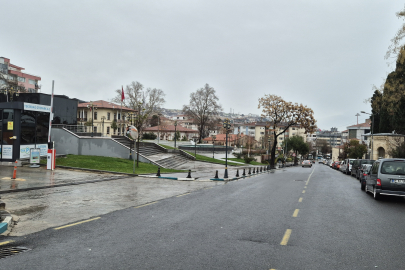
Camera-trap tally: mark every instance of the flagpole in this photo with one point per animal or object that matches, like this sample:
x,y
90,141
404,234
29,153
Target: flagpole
x,y
122,95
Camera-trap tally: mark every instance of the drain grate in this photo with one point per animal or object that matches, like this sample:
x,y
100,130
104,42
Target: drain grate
x,y
7,252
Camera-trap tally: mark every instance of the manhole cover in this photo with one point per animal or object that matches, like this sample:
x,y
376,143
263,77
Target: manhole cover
x,y
7,252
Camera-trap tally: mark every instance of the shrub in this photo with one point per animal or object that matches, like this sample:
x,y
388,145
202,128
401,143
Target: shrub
x,y
248,159
149,136
238,155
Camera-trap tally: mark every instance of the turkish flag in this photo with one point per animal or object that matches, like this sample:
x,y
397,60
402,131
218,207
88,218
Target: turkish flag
x,y
122,94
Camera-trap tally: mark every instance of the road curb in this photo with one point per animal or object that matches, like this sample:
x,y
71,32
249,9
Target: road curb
x,y
5,225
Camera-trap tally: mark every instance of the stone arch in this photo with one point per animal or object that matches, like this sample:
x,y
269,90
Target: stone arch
x,y
381,152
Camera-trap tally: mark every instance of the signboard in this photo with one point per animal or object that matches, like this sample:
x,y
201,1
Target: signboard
x,y
7,152
36,107
25,150
10,125
35,155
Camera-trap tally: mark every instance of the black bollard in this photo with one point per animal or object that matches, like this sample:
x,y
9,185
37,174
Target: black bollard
x,y
237,172
189,174
243,174
216,174
249,171
261,169
158,173
254,170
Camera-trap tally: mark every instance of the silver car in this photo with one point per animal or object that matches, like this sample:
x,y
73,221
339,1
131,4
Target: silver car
x,y
387,177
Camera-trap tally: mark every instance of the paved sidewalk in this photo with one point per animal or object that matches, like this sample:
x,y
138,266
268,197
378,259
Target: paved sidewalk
x,y
28,178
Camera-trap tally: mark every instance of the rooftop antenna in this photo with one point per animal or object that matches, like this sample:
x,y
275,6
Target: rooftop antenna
x,y
357,118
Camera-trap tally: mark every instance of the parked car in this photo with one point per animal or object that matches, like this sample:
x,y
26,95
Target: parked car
x,y
364,171
346,166
387,177
338,165
357,165
306,163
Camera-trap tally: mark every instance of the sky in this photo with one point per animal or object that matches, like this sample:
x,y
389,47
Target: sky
x,y
326,55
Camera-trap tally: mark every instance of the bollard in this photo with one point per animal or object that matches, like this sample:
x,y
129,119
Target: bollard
x,y
243,174
261,169
254,170
158,173
216,174
249,171
15,170
237,172
189,174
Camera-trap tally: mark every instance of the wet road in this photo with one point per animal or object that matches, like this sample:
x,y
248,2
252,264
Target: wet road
x,y
298,218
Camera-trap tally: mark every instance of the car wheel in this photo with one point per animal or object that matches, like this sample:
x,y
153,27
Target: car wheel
x,y
362,185
376,195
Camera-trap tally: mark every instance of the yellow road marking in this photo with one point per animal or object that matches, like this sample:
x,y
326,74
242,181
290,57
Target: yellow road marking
x,y
295,214
309,177
9,178
305,187
300,200
303,191
5,243
144,205
182,194
77,223
286,237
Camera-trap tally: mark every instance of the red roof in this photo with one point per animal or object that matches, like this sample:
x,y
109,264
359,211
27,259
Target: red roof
x,y
366,125
222,137
104,104
170,128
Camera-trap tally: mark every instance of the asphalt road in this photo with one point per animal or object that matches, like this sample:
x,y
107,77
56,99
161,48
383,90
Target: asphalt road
x,y
298,218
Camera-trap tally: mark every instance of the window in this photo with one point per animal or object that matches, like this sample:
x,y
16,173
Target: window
x,y
95,115
374,169
115,117
108,130
108,117
21,79
119,116
95,129
31,81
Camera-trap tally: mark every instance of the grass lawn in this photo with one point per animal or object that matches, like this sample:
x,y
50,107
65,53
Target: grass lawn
x,y
108,164
243,161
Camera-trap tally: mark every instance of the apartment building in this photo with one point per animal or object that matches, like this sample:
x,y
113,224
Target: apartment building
x,y
14,79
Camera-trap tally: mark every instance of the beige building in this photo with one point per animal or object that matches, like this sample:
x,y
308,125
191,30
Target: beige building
x,y
100,114
383,143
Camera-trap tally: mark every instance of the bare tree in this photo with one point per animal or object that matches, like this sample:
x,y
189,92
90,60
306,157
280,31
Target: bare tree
x,y
145,102
396,45
283,115
202,109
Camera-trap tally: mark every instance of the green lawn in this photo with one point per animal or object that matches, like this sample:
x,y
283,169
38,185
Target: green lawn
x,y
108,164
243,161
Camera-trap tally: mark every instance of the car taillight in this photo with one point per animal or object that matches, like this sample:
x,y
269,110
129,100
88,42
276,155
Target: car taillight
x,y
379,182
364,174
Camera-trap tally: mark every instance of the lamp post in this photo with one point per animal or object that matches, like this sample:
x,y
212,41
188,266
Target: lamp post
x,y
269,140
372,138
175,133
92,107
159,114
227,126
213,145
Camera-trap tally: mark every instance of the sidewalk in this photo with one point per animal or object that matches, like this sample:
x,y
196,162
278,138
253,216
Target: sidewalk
x,y
33,178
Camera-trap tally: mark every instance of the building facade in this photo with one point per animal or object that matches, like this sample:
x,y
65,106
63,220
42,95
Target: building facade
x,y
13,79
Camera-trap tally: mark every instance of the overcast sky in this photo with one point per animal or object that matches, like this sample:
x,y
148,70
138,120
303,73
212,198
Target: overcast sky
x,y
324,54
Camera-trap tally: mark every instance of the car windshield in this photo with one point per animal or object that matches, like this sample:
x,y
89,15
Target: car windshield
x,y
393,167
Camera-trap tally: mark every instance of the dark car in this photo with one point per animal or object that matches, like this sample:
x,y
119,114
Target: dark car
x,y
364,171
386,178
357,165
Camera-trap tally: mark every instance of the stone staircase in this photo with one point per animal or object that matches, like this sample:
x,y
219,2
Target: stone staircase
x,y
157,153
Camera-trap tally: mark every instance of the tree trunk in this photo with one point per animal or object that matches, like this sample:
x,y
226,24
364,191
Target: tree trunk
x,y
273,153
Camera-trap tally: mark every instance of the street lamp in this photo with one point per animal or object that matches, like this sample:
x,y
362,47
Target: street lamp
x,y
213,145
92,107
175,133
227,126
372,138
